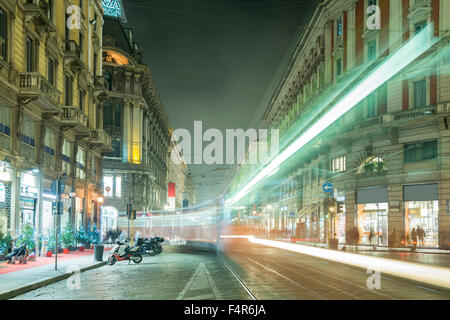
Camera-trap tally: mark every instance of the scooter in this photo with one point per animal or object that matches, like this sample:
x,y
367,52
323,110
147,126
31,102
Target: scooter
x,y
19,254
122,252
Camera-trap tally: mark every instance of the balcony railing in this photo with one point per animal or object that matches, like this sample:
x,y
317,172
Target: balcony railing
x,y
34,87
420,3
102,140
414,114
74,118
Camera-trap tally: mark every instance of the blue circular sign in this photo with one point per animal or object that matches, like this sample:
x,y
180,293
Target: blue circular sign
x,y
327,187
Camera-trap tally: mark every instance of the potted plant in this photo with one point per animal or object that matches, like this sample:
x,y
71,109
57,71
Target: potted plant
x,y
51,243
5,244
67,238
27,236
369,167
81,237
94,234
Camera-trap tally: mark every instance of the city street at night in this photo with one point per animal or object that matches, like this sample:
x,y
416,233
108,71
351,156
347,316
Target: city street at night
x,y
225,158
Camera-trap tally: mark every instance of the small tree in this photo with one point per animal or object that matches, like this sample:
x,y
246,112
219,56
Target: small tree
x,y
67,237
5,242
81,236
27,236
94,234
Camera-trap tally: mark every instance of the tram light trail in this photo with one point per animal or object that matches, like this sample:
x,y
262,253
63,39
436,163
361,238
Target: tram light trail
x,y
400,59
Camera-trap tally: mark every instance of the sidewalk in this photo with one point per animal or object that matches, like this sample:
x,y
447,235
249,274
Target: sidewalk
x,y
18,279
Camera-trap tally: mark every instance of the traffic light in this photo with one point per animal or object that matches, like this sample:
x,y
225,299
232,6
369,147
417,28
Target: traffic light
x,y
129,211
340,207
329,205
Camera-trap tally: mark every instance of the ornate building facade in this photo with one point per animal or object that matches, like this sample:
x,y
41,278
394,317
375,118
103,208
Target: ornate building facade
x,y
387,158
50,125
133,115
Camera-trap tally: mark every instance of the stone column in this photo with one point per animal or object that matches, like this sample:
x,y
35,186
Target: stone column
x,y
396,215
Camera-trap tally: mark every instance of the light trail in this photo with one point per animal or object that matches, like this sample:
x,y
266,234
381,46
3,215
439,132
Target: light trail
x,y
437,276
400,59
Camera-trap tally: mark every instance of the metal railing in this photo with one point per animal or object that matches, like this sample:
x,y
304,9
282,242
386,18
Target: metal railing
x,y
73,114
34,83
101,137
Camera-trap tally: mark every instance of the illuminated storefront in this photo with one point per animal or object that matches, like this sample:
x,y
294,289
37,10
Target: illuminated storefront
x,y
372,216
29,195
421,210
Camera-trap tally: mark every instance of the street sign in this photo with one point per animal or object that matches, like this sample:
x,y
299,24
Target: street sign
x,y
54,187
327,187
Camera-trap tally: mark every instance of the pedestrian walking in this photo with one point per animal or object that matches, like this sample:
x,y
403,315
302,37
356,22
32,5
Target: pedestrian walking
x,y
371,235
414,238
421,235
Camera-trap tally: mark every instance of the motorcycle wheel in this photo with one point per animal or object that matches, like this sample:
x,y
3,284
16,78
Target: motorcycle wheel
x,y
158,249
112,260
137,258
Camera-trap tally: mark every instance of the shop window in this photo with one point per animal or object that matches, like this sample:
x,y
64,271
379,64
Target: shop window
x,y
424,215
420,94
3,34
420,151
338,164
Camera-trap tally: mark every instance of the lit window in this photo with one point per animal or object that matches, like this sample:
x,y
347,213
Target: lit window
x,y
108,186
118,192
338,164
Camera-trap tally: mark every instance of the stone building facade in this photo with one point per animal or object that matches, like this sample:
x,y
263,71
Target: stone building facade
x,y
387,158
133,115
50,98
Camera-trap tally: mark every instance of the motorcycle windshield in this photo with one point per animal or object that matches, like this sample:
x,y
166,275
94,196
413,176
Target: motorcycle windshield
x,y
123,236
137,236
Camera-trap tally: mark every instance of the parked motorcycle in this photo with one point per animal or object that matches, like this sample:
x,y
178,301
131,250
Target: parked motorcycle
x,y
123,251
18,254
150,246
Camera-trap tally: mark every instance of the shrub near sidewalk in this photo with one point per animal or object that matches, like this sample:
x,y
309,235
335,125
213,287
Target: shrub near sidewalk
x,y
81,238
67,238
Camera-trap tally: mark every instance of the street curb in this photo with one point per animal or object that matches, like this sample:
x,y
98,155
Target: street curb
x,y
45,282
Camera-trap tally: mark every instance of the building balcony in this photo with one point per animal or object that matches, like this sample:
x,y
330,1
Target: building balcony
x,y
101,140
34,88
75,119
100,88
420,4
72,55
38,12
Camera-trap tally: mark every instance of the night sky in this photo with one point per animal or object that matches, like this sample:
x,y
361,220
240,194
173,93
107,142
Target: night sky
x,y
216,61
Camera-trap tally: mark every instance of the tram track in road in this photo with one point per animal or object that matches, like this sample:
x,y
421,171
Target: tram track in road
x,y
242,283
